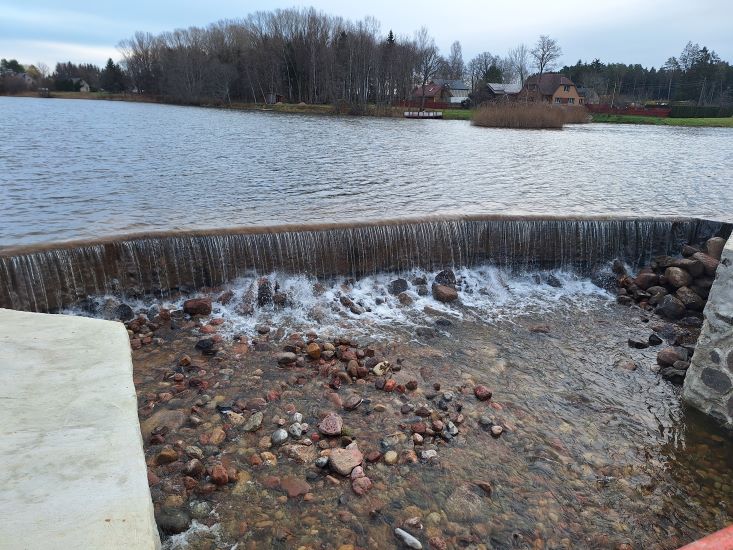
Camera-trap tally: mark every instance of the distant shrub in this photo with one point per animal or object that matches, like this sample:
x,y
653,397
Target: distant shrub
x,y
693,111
519,114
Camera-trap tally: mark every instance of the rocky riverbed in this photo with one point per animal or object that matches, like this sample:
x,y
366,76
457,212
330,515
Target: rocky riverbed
x,y
538,428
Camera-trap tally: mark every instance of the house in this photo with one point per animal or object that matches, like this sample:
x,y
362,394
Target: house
x,y
553,88
83,86
497,90
457,88
588,95
434,93
442,91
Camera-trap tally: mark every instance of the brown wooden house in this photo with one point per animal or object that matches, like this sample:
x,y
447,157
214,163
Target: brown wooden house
x,y
553,88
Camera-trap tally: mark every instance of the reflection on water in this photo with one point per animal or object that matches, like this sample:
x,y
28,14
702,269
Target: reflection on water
x,y
82,169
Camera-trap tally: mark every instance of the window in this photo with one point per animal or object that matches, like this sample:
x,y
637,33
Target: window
x,y
571,100
581,101
566,88
557,100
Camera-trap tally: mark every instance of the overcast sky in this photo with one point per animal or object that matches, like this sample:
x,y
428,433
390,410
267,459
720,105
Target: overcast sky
x,y
641,31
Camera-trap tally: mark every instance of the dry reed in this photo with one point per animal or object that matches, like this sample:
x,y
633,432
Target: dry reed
x,y
527,115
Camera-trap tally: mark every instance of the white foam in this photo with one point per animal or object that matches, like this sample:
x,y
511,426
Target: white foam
x,y
486,293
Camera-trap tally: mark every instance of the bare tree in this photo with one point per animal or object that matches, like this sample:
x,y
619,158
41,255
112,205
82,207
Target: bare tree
x,y
545,53
518,60
428,60
456,66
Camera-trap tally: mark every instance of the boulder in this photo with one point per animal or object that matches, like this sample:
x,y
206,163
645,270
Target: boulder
x,y
397,286
714,247
123,312
197,306
690,298
668,356
693,267
677,277
671,308
710,263
446,277
645,280
264,292
444,293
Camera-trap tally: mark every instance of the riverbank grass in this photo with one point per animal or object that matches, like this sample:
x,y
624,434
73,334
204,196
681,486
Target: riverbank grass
x,y
527,115
658,121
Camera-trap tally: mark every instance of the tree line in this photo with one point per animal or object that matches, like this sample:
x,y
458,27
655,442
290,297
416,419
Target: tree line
x,y
303,55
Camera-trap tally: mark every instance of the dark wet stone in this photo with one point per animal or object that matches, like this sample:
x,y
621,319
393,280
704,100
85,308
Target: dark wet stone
x,y
172,521
674,375
730,406
264,292
714,357
206,346
442,322
553,281
671,308
654,340
397,286
638,344
123,312
729,361
716,380
446,277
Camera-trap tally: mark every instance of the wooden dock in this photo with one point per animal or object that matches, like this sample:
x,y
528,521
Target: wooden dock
x,y
424,114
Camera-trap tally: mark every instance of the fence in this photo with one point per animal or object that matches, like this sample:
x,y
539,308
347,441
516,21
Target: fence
x,y
604,108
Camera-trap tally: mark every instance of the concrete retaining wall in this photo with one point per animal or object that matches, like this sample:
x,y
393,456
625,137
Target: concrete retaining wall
x,y
709,381
72,472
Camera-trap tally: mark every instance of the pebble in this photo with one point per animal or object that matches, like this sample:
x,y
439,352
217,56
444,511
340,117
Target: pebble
x,y
278,436
496,431
253,423
390,457
429,454
482,393
296,430
331,425
297,417
407,539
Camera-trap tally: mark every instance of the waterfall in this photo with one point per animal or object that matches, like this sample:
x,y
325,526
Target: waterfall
x,y
50,277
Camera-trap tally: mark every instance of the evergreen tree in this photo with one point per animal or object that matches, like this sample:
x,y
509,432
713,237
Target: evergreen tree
x,y
112,78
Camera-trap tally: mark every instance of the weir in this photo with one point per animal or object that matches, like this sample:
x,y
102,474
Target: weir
x,y
50,277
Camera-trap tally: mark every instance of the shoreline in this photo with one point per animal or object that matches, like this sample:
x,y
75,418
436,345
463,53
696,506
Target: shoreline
x,y
286,108
376,111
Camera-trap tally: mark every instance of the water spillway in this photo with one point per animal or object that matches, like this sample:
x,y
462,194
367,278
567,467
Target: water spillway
x,y
50,277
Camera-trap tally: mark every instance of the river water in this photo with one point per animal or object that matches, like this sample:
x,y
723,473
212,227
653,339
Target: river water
x,y
592,455
75,169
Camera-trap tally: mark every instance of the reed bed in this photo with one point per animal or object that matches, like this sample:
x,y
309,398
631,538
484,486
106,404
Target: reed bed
x,y
528,115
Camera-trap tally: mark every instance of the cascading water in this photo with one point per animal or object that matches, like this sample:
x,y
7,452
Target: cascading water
x,y
52,277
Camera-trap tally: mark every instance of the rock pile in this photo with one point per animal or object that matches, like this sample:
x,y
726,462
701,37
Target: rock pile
x,y
675,288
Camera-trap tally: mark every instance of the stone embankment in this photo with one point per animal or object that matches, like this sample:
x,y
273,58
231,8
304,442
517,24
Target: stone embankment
x,y
676,289
708,385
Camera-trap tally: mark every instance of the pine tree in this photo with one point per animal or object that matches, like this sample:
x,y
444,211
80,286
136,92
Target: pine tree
x,y
112,78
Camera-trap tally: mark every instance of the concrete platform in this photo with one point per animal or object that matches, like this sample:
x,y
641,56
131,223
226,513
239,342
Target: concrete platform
x,y
72,469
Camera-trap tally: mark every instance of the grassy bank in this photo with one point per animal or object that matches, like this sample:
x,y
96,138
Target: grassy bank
x,y
690,122
297,108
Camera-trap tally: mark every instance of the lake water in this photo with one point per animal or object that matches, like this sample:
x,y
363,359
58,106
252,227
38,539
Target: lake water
x,y
83,169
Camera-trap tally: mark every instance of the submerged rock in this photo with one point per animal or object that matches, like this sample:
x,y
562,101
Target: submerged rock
x,y
444,293
197,306
407,539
